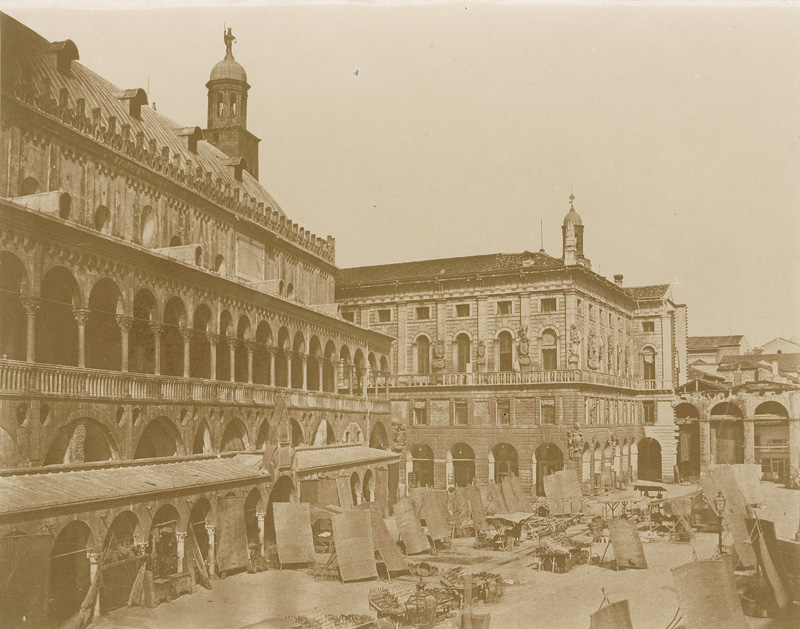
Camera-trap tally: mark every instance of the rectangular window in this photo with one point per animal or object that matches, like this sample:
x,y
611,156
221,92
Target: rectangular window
x,y
649,412
462,310
648,326
549,358
461,413
423,312
349,316
420,415
504,412
504,307
549,305
384,315
549,412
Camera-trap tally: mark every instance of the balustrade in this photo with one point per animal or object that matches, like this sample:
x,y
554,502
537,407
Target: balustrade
x,y
25,378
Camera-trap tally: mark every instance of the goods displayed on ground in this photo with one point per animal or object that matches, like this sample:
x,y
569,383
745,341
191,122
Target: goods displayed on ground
x,y
331,621
420,607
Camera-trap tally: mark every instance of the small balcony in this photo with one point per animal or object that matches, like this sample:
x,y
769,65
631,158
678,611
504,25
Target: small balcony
x,y
524,378
72,382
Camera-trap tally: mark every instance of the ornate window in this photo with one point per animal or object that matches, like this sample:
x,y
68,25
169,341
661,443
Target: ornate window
x,y
549,350
505,353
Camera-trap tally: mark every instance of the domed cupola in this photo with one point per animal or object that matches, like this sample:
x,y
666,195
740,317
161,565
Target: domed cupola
x,y
227,109
572,228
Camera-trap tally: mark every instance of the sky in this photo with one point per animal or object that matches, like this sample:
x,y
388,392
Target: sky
x,y
415,131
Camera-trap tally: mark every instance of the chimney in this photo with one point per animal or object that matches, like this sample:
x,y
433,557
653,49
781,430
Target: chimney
x,y
618,279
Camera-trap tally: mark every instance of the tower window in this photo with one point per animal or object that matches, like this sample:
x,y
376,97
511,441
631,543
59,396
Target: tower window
x,y
648,326
504,307
220,105
234,104
549,305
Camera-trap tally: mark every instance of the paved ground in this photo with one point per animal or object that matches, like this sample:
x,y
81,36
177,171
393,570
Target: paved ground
x,y
542,599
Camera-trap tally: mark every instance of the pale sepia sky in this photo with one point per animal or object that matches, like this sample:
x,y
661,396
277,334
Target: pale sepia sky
x,y
675,125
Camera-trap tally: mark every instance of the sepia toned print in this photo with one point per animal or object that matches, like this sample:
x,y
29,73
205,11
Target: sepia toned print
x,y
208,419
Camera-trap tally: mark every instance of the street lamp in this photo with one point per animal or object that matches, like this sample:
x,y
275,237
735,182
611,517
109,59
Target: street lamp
x,y
719,503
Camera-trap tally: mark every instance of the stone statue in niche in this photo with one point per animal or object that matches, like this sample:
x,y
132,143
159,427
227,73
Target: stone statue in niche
x,y
628,362
480,354
601,352
575,441
593,361
438,355
524,349
399,436
574,354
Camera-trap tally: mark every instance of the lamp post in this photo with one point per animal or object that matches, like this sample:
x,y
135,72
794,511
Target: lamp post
x,y
719,503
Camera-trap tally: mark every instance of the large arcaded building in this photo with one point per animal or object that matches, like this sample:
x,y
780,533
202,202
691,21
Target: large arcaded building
x,y
525,364
163,326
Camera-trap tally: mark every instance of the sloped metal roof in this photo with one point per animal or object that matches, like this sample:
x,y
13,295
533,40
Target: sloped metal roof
x,y
341,455
27,492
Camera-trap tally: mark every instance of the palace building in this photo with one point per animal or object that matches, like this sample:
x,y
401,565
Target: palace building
x,y
525,364
171,357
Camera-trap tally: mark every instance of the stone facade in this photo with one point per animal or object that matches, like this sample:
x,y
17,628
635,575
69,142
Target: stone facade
x,y
539,353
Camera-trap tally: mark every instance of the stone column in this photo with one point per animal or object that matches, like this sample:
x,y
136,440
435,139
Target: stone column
x,y
125,325
351,371
94,566
260,517
386,378
31,306
712,459
272,351
81,317
289,368
212,564
304,370
213,339
181,539
364,372
321,370
749,441
250,346
336,364
157,328
186,335
232,350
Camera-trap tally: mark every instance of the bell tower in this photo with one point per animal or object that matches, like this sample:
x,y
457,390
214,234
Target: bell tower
x,y
227,110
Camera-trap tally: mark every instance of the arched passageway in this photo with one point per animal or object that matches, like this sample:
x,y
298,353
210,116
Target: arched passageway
x,y
328,370
103,336
141,340
771,439
198,520
171,338
69,569
282,491
200,349
368,486
298,438
252,507
56,324
282,359
548,458
324,434
81,441
261,359
355,488
298,361
160,438
505,460
422,465
13,319
163,542
649,459
727,434
378,438
234,438
463,464
121,563
687,418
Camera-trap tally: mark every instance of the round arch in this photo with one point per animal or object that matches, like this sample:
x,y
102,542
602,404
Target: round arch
x,y
200,344
771,410
463,458
368,486
141,340
282,491
253,504
328,368
56,326
649,463
202,443
234,437
547,459
121,563
103,335
355,488
261,361
81,441
171,339
69,569
199,518
163,541
504,357
13,318
160,438
504,461
378,438
353,433
324,434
